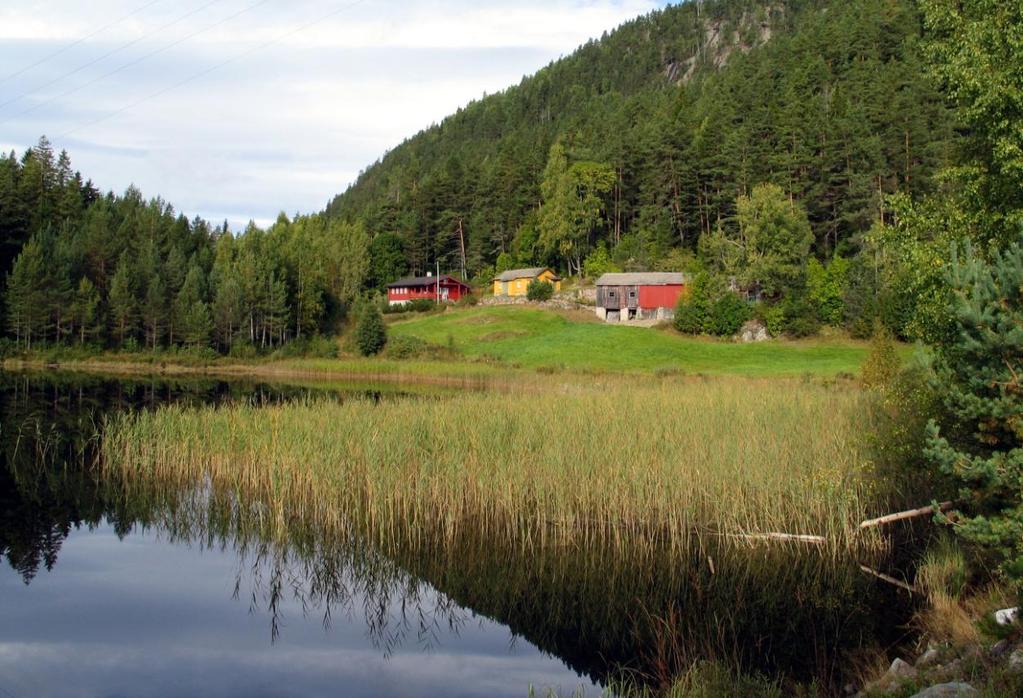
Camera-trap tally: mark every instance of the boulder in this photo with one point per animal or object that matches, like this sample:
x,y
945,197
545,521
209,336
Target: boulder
x,y
999,648
1007,616
1015,663
948,690
928,659
753,331
901,670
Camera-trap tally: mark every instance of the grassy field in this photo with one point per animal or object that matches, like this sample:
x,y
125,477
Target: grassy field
x,y
535,338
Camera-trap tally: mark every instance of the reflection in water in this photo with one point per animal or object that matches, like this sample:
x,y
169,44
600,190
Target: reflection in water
x,y
170,600
602,609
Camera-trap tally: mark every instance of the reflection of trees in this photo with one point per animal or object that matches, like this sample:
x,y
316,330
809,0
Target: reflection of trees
x,y
48,443
601,607
323,575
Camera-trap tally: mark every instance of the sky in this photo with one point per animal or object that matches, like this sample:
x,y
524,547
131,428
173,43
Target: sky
x,y
241,109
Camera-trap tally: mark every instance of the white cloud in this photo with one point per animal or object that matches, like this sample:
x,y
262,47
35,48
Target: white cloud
x,y
286,118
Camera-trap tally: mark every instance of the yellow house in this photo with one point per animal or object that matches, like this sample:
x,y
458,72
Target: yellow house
x,y
514,282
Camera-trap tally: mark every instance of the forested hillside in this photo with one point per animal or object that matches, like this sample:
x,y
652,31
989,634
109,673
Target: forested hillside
x,y
126,272
676,115
781,147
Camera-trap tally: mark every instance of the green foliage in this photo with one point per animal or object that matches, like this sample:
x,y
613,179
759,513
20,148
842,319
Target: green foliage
x,y
599,262
727,314
573,201
709,307
370,331
387,260
693,307
505,261
827,288
793,316
539,291
773,242
882,363
976,48
978,380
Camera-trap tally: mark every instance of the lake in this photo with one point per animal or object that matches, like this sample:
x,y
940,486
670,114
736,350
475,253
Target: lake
x,y
154,586
99,597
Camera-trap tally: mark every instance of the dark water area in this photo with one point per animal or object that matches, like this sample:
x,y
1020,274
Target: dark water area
x,y
113,588
105,595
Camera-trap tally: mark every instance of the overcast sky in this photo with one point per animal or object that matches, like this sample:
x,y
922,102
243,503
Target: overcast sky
x,y
240,109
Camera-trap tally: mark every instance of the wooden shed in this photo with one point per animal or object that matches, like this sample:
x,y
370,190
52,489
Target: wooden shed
x,y
515,282
639,296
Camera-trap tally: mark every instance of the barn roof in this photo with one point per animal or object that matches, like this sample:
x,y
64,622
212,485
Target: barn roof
x,y
530,273
414,281
646,278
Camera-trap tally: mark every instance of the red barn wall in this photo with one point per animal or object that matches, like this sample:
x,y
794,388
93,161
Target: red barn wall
x,y
653,297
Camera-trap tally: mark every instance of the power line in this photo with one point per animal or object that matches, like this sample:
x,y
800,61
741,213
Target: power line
x,y
214,67
78,41
111,52
136,61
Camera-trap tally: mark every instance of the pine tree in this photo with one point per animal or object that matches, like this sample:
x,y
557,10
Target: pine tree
x,y
86,311
122,302
979,376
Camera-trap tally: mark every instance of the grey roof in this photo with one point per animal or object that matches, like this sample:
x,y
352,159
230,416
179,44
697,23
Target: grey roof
x,y
646,278
530,273
424,281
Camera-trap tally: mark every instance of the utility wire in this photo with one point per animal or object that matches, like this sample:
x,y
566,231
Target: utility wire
x,y
78,41
217,66
111,52
134,62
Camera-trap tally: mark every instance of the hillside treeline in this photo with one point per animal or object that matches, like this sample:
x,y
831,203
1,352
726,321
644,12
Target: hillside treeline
x,y
125,272
684,111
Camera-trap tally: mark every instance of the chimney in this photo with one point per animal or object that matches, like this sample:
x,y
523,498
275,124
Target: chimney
x,y
429,274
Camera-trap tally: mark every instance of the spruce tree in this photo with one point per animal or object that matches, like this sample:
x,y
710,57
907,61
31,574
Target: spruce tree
x,y
370,332
979,376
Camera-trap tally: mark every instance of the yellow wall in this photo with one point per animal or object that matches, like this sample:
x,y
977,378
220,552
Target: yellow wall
x,y
518,287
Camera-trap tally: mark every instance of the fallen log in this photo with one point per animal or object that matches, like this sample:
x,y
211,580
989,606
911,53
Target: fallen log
x,y
790,537
888,578
903,515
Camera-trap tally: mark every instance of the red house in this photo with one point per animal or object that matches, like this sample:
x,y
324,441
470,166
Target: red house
x,y
432,288
639,296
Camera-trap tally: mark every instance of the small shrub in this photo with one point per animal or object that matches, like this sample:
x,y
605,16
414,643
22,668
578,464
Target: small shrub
x,y
406,347
370,332
539,291
598,263
882,363
243,350
693,306
468,301
726,315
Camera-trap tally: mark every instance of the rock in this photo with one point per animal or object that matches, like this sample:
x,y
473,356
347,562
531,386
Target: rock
x,y
948,690
901,670
1015,663
1000,648
1007,616
928,659
753,331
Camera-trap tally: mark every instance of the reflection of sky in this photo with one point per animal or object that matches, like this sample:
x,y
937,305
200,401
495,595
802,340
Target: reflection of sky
x,y
150,619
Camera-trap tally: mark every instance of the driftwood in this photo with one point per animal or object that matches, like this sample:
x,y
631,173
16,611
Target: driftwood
x,y
903,515
888,578
783,537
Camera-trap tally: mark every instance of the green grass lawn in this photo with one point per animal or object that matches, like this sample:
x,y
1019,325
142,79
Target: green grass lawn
x,y
535,338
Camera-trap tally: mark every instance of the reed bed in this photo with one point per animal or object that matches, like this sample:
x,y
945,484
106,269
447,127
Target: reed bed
x,y
683,463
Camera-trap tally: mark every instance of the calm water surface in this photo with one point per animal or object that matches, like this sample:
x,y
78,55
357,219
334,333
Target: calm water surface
x,y
100,597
